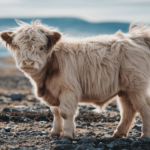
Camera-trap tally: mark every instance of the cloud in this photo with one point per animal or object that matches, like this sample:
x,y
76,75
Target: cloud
x,y
90,10
9,2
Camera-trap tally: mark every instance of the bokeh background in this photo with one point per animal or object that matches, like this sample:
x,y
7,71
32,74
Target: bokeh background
x,y
78,18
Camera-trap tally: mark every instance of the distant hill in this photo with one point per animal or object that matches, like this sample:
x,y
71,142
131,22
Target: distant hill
x,y
69,26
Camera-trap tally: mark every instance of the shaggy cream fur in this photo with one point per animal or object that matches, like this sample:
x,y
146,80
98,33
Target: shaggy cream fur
x,y
65,71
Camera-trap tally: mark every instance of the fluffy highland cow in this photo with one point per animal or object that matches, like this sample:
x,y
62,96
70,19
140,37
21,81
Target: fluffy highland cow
x,y
66,71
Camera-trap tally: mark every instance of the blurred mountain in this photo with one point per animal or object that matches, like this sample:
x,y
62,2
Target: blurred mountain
x,y
69,26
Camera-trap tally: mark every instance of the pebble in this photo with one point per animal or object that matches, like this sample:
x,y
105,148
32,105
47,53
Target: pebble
x,y
90,108
147,140
1,100
101,145
64,147
63,141
139,148
17,96
6,109
84,147
118,142
10,134
79,127
83,124
88,141
101,121
25,120
43,146
32,133
90,133
138,127
43,122
21,106
7,129
23,148
31,99
138,121
16,110
135,143
43,133
11,122
1,120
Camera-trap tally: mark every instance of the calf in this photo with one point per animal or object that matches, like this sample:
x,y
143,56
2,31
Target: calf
x,y
67,71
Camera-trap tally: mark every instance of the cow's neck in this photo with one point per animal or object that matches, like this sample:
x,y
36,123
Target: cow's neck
x,y
50,70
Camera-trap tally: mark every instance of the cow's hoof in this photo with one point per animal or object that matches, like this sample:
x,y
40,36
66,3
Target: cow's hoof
x,y
54,134
118,134
62,136
145,135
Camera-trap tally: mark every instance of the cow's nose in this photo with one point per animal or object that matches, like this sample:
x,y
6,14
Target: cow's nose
x,y
28,63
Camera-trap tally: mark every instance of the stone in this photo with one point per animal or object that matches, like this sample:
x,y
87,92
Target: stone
x,y
83,140
138,127
23,148
10,122
31,99
90,108
120,142
25,120
135,143
43,146
83,124
84,147
1,99
16,110
7,129
63,141
139,121
90,133
1,120
21,106
64,147
17,96
87,141
79,127
55,137
74,142
10,134
43,133
147,140
91,140
43,122
101,145
6,109
101,121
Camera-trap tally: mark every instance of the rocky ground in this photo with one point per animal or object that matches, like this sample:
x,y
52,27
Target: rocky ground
x,y
25,123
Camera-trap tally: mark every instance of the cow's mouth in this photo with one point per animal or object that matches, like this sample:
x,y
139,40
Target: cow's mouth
x,y
29,70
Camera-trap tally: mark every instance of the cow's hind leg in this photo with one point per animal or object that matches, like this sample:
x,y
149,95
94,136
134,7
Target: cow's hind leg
x,y
142,102
128,113
57,123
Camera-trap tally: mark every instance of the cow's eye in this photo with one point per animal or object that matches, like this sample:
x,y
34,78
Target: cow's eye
x,y
42,48
16,46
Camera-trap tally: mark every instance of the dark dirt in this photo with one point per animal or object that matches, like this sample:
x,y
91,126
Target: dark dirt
x,y
25,123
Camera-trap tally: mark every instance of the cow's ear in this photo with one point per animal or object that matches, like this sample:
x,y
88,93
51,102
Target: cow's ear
x,y
7,37
53,39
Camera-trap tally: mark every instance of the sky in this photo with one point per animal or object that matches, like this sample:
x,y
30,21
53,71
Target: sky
x,y
89,10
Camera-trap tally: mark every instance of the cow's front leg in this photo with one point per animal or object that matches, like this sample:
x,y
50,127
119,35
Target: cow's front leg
x,y
57,123
67,109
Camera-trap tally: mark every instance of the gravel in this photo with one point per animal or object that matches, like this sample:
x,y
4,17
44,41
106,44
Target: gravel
x,y
137,127
25,123
7,129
